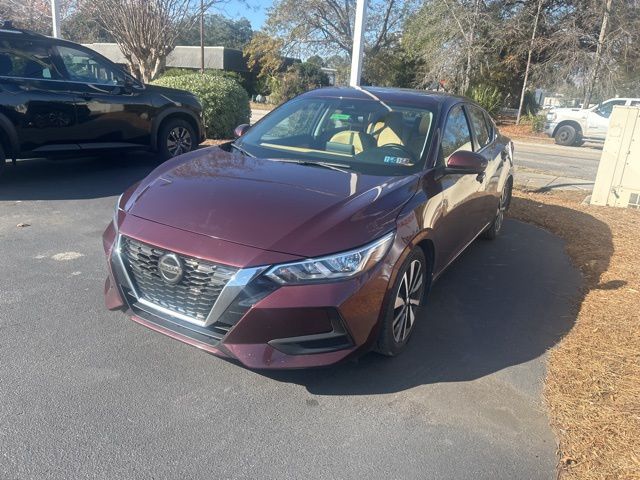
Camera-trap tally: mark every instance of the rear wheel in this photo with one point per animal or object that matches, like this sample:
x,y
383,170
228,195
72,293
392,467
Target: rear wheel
x,y
494,229
175,138
566,135
407,296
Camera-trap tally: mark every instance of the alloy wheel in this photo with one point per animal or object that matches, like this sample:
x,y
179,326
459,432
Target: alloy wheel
x,y
504,203
179,141
407,301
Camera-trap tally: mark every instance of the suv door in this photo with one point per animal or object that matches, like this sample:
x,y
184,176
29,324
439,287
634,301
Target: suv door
x,y
34,96
598,119
111,107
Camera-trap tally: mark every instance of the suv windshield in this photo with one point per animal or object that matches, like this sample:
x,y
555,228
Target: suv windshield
x,y
359,134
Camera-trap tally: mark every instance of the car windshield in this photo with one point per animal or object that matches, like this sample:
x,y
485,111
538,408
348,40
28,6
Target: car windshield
x,y
363,135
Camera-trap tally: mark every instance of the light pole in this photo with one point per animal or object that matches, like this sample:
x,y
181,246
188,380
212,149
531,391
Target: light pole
x,y
55,18
358,43
202,37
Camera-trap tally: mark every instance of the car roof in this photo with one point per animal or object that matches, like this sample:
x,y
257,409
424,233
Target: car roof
x,y
405,96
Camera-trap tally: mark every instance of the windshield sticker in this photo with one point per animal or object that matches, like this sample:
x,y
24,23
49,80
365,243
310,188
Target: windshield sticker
x,y
398,160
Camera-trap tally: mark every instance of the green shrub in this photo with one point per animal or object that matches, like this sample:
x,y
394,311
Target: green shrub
x,y
176,72
487,97
536,122
225,102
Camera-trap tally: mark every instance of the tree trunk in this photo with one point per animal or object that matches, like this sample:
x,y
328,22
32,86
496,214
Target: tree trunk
x,y
596,64
526,70
466,82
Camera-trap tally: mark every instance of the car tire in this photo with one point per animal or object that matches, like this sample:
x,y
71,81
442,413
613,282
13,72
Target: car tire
x,y
566,135
403,306
493,230
176,137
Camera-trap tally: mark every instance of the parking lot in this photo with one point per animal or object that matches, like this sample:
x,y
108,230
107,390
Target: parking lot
x,y
88,393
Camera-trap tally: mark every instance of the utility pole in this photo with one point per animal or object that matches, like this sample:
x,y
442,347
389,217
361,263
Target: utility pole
x,y
358,43
55,18
202,37
526,71
596,64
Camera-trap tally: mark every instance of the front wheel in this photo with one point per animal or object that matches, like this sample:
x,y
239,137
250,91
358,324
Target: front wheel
x,y
406,297
566,136
175,138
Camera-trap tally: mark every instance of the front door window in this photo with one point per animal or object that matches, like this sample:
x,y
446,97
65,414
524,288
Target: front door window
x,y
84,67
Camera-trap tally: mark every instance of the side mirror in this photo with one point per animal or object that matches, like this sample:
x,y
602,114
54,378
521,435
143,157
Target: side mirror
x,y
465,162
241,130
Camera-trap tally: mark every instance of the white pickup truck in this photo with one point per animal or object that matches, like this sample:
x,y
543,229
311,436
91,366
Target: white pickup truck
x,y
573,126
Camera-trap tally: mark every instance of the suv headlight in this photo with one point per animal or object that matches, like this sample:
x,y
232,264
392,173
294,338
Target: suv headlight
x,y
551,116
332,267
115,212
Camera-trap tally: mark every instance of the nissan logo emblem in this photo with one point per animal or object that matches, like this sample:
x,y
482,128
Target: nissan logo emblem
x,y
170,268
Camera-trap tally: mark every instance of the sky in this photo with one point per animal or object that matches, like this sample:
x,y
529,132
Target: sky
x,y
254,10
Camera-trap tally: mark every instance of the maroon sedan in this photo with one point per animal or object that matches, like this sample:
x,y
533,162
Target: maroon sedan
x,y
316,235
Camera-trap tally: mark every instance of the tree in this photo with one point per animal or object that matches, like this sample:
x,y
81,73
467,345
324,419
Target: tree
x,y
299,78
444,34
530,52
326,26
34,14
146,30
219,31
263,54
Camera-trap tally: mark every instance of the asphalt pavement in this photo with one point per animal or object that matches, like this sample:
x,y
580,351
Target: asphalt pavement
x,y
86,393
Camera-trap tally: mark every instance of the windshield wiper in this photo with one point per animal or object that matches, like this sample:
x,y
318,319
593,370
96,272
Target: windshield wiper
x,y
340,167
242,150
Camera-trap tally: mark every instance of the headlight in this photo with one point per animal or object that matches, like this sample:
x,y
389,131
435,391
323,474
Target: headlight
x,y
115,212
551,116
332,267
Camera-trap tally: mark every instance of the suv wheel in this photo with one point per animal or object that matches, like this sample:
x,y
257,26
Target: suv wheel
x,y
406,297
175,138
566,135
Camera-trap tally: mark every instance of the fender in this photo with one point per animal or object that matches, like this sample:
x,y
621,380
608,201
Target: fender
x,y
157,121
7,127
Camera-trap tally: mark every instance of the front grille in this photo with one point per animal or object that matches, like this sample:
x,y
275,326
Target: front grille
x,y
195,294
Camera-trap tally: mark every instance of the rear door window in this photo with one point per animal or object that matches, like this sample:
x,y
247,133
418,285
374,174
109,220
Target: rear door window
x,y
26,59
457,135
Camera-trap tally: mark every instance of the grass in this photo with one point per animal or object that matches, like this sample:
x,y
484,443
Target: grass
x,y
592,388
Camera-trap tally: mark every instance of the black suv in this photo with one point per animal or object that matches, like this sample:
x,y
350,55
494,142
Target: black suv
x,y
58,97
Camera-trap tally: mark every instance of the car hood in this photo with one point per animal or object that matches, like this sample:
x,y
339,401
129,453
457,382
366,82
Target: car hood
x,y
283,207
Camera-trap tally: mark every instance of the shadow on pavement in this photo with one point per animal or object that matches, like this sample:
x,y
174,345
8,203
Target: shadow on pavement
x,y
501,304
74,178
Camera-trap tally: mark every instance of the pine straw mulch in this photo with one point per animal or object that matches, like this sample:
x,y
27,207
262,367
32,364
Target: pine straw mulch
x,y
592,388
524,132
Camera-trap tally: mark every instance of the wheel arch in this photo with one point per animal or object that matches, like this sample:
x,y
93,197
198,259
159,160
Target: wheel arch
x,y
173,114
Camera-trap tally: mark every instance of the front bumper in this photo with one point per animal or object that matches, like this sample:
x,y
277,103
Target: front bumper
x,y
550,128
266,325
